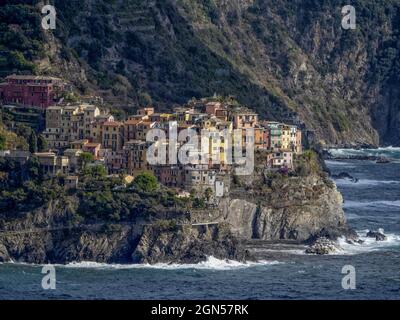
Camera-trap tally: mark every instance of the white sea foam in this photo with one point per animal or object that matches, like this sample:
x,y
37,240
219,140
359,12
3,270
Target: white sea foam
x,y
210,264
391,152
364,182
300,251
339,163
369,245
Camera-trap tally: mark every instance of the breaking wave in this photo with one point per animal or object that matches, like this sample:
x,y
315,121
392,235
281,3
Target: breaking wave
x,y
364,182
390,152
369,245
340,164
210,264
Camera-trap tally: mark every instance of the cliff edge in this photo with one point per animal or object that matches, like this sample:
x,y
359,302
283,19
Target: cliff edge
x,y
125,226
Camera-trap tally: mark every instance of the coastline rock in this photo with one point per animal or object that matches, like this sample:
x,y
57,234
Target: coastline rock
x,y
379,236
265,206
323,246
188,244
344,176
334,234
351,241
292,209
37,239
383,160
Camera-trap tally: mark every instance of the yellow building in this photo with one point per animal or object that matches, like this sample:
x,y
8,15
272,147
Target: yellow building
x,y
286,137
69,123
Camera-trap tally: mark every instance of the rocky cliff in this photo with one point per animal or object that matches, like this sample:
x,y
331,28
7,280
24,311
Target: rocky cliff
x,y
278,57
292,209
188,244
285,208
301,205
47,235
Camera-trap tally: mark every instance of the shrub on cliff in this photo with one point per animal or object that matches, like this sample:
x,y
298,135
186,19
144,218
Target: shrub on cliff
x,y
307,164
146,182
2,142
165,225
85,158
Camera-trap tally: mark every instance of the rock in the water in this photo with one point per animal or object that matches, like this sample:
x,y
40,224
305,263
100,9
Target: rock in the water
x,y
379,236
345,176
352,241
323,246
383,160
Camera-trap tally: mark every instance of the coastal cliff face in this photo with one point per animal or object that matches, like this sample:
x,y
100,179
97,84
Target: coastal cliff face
x,y
44,236
294,208
188,244
47,234
300,206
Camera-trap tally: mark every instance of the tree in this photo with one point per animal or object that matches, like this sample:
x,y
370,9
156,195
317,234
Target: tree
x,y
42,144
199,203
145,99
33,142
2,142
24,131
146,182
208,193
120,67
85,158
96,171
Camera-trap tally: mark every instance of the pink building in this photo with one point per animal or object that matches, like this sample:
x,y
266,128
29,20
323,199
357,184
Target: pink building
x,y
37,91
277,160
93,148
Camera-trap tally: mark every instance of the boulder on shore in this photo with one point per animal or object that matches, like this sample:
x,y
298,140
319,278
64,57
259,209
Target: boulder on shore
x,y
323,246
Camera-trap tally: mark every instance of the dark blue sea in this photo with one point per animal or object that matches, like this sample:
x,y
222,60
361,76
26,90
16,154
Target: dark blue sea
x,y
372,203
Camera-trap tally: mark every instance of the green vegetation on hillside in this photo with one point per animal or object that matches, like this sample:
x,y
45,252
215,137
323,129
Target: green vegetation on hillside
x,y
21,38
10,140
276,57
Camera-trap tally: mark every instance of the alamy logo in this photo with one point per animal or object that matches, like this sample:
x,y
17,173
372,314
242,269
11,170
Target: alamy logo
x,y
49,21
191,147
49,280
349,18
349,280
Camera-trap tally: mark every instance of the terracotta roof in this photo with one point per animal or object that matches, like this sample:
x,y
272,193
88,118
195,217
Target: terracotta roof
x,y
133,121
112,123
92,145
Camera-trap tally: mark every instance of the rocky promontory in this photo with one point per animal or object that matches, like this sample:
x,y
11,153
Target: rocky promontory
x,y
151,226
299,206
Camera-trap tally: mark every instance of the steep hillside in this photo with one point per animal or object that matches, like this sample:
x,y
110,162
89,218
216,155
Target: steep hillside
x,y
276,56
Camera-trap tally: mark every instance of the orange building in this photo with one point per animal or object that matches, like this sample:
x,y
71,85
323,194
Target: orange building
x,y
243,119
